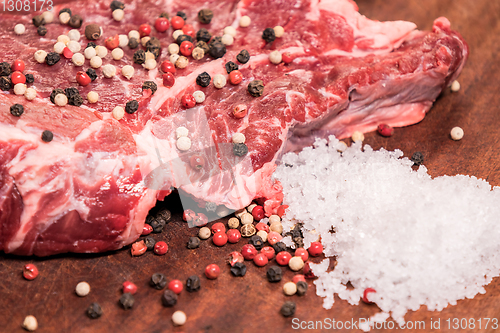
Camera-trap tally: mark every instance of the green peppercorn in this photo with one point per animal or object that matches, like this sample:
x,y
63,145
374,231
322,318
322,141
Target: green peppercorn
x,y
243,56
182,14
257,242
16,110
47,136
131,107
29,78
75,21
230,66
139,57
183,38
240,149
38,20
127,301
217,50
92,74
116,5
193,243
52,58
203,79
204,35
5,69
274,274
94,311
205,16
268,35
150,85
5,83
158,281
193,283
301,288
239,269
133,43
169,298
288,309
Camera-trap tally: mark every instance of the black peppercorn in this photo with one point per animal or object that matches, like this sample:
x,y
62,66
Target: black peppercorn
x,y
204,35
203,79
230,66
193,283
205,16
279,247
257,242
243,56
133,43
150,243
91,44
116,5
47,136
169,298
157,225
29,78
240,149
38,20
75,21
274,274
193,243
41,30
165,214
256,88
54,93
182,14
16,110
301,288
5,83
150,85
94,311
74,97
131,106
158,281
239,269
183,38
139,57
52,58
210,206
417,158
288,309
92,74
268,35
215,39
217,50
65,10
204,46
92,31
127,301
5,69
154,46
165,15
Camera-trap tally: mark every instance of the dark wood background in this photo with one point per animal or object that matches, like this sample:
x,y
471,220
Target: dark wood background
x,y
251,304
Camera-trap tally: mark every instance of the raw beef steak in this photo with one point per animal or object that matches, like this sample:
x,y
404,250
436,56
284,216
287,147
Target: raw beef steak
x,y
91,187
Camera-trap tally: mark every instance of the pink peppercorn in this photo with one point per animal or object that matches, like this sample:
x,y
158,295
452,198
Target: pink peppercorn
x,y
366,295
301,252
233,236
273,237
160,248
268,251
258,213
138,249
212,271
385,130
168,79
30,272
248,251
146,230
262,226
220,238
260,259
129,287
283,258
298,277
176,286
235,257
315,249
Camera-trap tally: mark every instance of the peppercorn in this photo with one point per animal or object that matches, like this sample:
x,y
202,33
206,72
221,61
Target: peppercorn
x,y
41,30
65,10
205,16
158,281
47,136
150,243
150,85
54,93
29,78
52,58
367,292
243,56
217,50
204,46
127,301
30,272
193,243
193,283
169,298
133,43
158,224
279,247
274,274
230,66
94,311
256,88
215,39
165,15
131,106
153,42
17,110
74,97
203,35
75,21
268,35
38,20
240,149
256,241
183,38
116,5
248,230
91,44
417,158
5,69
5,83
203,79
301,288
139,57
288,309
239,269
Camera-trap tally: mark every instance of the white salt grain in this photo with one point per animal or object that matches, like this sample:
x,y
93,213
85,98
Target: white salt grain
x,y
415,240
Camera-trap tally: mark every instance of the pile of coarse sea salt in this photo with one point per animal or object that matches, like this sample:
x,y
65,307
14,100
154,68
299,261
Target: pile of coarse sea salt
x,y
415,240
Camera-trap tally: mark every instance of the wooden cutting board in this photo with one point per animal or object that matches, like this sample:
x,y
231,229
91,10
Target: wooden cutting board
x,y
251,303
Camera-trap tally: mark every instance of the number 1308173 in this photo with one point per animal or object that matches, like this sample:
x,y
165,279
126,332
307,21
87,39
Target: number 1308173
x,y
25,5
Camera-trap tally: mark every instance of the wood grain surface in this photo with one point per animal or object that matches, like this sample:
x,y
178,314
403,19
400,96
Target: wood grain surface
x,y
251,303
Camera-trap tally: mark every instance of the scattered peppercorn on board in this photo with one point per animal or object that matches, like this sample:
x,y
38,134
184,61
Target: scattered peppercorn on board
x,y
251,303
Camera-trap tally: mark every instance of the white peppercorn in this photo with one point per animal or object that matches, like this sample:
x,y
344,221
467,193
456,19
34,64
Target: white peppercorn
x,y
64,17
48,17
118,112
262,234
198,53
227,39
456,133
177,33
40,56
134,34
179,318
278,31
19,29
149,64
92,97
219,81
341,146
182,62
246,218
251,207
82,289
199,96
128,71
275,57
101,51
78,59
149,55
30,94
117,53
181,131
183,143
19,89
230,31
118,14
59,47
30,323
74,46
145,40
173,48
63,39
89,52
274,219
233,223
173,58
240,212
455,86
276,227
109,71
289,288
60,100
123,40
95,62
296,263
204,233
357,136
74,35
245,21
238,138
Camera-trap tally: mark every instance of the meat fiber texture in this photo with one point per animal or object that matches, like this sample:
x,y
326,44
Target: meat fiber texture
x,y
413,239
90,189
